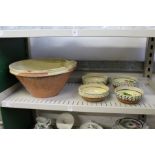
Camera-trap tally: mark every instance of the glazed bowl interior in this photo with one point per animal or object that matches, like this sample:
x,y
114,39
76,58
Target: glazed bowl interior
x,y
94,92
129,95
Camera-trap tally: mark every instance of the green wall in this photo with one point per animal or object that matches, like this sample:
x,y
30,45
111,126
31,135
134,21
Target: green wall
x,y
11,50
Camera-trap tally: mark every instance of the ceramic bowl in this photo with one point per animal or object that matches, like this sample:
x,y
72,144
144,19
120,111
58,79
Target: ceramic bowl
x,y
93,92
99,78
43,77
43,123
124,80
65,121
130,123
129,95
90,125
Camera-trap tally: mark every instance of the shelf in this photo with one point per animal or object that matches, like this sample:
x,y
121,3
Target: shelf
x,y
69,100
92,31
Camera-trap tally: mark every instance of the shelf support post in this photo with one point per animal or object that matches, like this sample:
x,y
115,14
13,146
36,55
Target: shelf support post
x,y
149,57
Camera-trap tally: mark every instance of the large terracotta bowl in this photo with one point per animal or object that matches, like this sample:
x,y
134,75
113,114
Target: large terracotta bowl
x,y
43,77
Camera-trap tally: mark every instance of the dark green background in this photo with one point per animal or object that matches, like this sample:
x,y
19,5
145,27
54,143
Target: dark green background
x,y
11,50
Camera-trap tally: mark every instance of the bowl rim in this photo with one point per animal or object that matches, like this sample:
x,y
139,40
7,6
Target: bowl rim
x,y
135,80
67,66
125,97
95,75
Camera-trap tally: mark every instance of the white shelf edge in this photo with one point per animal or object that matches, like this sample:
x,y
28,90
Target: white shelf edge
x,y
120,110
77,33
69,100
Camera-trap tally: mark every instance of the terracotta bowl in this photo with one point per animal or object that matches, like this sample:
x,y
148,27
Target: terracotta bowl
x,y
43,77
44,87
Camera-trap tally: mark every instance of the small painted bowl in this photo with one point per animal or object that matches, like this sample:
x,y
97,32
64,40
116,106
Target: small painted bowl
x,y
95,78
130,123
93,92
124,80
129,95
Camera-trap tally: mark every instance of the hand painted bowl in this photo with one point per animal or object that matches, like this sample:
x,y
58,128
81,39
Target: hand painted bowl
x,y
93,92
99,78
129,95
130,123
124,80
43,77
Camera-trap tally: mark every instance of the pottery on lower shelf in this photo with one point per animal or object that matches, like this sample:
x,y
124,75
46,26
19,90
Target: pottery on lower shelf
x,y
65,121
93,92
124,80
43,77
129,95
130,123
43,123
1,125
90,125
99,78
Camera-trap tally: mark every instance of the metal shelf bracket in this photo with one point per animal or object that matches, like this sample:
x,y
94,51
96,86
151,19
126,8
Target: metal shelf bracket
x,y
149,57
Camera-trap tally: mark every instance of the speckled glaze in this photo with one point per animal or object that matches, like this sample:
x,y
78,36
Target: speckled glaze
x,y
124,80
94,77
129,95
93,92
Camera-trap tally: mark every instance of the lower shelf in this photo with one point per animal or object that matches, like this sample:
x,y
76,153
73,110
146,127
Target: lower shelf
x,y
69,100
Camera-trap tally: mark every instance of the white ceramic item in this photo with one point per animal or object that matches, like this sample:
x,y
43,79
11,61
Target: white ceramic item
x,y
43,123
65,121
90,125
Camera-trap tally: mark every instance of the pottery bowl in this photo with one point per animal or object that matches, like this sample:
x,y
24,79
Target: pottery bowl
x,y
124,80
99,78
65,121
93,92
129,95
43,77
130,123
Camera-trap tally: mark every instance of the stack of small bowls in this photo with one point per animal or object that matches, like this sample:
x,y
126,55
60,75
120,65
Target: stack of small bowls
x,y
126,89
94,87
